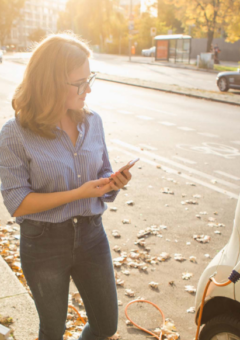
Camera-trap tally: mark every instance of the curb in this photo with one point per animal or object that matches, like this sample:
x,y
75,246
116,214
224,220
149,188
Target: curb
x,y
16,303
176,66
224,98
174,89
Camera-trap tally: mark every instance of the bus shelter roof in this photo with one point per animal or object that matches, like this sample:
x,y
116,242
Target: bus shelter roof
x,y
172,37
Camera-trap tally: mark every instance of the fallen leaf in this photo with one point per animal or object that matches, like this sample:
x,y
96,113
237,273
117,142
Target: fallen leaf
x,y
216,225
153,285
141,242
179,257
202,238
116,336
116,233
186,276
189,202
164,257
129,323
193,259
191,310
117,249
190,289
120,282
130,203
129,292
167,191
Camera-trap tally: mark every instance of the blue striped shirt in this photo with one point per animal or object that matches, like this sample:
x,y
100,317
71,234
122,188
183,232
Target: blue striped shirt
x,y
31,163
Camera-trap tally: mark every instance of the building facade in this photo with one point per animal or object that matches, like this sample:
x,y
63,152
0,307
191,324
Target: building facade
x,y
35,14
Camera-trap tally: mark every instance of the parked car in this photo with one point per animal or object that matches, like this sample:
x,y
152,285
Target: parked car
x,y
149,52
1,56
228,80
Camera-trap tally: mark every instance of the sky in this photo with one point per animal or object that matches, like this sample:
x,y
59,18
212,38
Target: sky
x,y
143,6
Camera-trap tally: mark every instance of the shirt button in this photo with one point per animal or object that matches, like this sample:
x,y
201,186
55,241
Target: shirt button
x,y
75,154
75,220
79,176
80,135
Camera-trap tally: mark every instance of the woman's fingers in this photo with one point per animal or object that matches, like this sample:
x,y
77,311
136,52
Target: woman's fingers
x,y
102,181
127,174
114,186
121,179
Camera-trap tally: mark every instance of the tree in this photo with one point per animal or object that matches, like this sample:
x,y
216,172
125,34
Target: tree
x,y
167,14
232,28
144,25
92,19
37,35
207,15
10,10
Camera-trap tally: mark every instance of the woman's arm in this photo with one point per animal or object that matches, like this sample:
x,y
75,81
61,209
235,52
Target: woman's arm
x,y
34,202
37,202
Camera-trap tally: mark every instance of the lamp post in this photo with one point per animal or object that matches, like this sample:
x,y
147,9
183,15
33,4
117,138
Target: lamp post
x,y
130,29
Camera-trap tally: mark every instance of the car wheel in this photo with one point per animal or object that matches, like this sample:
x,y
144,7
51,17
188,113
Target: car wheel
x,y
223,84
224,327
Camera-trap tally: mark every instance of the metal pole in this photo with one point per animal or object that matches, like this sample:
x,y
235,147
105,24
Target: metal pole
x,y
130,35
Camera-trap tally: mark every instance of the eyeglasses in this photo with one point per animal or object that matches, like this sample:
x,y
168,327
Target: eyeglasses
x,y
83,86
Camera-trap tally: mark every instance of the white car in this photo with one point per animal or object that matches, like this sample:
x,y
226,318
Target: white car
x,y
221,312
149,52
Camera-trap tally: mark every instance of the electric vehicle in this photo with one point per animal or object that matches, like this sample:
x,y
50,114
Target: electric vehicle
x,y
221,311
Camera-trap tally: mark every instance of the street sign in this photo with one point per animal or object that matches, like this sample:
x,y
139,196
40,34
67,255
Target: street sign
x,y
131,17
153,31
131,25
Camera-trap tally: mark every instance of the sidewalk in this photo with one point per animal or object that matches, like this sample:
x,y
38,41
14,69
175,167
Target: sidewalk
x,y
221,97
217,96
16,303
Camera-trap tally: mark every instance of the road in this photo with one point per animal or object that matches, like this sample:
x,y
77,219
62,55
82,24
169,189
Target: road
x,y
119,65
195,142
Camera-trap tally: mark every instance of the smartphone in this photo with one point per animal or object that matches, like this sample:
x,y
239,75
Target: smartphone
x,y
128,166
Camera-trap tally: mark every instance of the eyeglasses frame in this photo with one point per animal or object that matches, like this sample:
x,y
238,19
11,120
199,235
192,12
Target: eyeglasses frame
x,y
94,74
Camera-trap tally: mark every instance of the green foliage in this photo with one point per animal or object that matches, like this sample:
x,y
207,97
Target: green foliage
x,y
209,16
9,11
98,20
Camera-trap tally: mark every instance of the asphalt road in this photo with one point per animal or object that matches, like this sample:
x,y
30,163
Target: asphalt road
x,y
195,142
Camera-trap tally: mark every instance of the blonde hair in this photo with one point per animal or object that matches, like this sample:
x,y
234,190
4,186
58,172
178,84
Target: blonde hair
x,y
39,101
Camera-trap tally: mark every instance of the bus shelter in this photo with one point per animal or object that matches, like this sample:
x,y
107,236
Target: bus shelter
x,y
173,47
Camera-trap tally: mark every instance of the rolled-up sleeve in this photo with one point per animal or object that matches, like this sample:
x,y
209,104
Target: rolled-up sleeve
x,y
14,174
106,170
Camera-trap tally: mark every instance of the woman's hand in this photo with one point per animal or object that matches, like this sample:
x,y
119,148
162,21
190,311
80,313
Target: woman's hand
x,y
101,186
120,179
95,188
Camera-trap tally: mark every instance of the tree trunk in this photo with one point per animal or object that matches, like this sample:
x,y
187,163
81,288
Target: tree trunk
x,y
210,36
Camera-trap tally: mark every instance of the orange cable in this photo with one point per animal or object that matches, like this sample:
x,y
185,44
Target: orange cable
x,y
144,329
151,303
203,300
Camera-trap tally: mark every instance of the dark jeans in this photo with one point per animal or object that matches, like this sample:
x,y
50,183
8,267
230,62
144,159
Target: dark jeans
x,y
50,253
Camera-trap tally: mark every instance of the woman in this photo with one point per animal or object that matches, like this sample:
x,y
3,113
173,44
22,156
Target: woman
x,y
55,171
